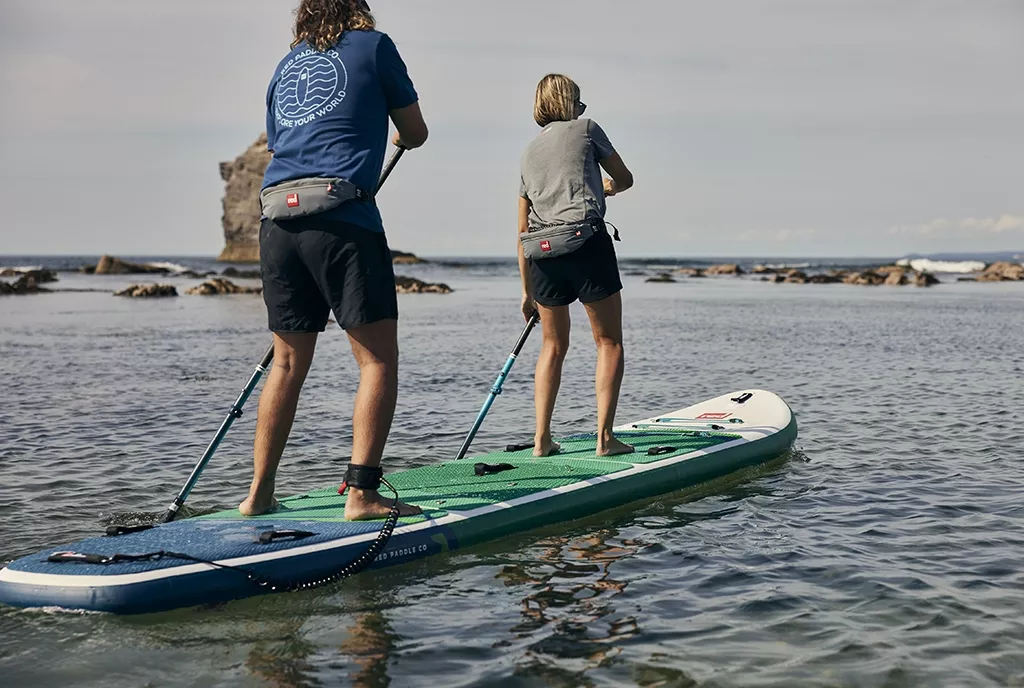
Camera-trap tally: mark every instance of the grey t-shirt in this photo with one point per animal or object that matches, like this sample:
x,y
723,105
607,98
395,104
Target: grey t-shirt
x,y
560,173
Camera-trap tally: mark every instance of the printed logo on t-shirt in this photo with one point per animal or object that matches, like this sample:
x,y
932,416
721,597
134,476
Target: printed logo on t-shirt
x,y
545,245
311,84
292,200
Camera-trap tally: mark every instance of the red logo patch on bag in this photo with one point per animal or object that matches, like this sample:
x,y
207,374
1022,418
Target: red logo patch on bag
x,y
545,245
292,200
579,233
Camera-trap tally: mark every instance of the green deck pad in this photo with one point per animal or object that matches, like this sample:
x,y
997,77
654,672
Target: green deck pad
x,y
454,486
684,441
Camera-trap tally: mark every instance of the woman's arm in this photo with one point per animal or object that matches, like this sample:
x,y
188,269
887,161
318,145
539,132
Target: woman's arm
x,y
621,177
524,271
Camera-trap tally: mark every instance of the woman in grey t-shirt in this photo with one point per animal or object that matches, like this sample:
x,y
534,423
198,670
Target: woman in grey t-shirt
x,y
562,185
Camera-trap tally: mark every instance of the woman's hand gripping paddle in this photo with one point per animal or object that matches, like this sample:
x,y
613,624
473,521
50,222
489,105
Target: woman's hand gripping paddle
x,y
236,409
496,388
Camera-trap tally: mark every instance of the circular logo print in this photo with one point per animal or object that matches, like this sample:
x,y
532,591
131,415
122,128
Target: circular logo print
x,y
307,84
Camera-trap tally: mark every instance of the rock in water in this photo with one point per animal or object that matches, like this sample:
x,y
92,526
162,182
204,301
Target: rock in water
x,y
109,265
411,285
40,276
663,277
690,272
142,291
868,278
243,178
896,278
241,274
1002,272
402,258
26,284
925,279
725,269
219,285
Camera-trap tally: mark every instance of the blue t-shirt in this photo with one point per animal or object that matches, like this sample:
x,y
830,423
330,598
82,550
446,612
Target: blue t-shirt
x,y
327,116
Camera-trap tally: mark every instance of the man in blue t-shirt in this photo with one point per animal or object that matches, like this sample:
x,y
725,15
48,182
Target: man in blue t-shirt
x,y
328,107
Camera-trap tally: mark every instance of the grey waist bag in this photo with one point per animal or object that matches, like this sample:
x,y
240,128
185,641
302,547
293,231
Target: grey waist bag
x,y
551,242
302,197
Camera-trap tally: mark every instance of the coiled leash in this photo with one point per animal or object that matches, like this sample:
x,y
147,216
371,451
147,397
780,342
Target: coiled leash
x,y
359,477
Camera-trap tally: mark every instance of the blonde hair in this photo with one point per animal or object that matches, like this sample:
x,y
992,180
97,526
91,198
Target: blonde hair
x,y
321,22
556,100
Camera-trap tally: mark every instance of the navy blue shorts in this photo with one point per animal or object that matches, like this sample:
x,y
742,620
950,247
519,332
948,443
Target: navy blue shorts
x,y
590,273
314,265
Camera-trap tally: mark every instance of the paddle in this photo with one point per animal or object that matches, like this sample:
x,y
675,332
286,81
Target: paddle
x,y
496,388
236,409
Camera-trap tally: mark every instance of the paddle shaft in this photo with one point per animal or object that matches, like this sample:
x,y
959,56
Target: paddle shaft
x,y
236,409
496,388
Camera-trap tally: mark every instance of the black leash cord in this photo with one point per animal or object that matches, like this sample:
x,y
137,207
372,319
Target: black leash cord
x,y
355,566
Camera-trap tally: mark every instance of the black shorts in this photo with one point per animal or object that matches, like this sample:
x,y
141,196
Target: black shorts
x,y
590,273
314,265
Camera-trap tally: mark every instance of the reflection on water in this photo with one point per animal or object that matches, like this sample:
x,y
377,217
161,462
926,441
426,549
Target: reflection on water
x,y
886,551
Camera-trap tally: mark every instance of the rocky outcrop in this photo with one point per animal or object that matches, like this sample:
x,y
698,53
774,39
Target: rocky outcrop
x,y
796,277
825,278
41,276
241,274
109,265
662,277
690,272
925,279
143,291
218,286
26,284
402,258
867,278
896,278
411,285
1002,272
763,270
725,269
243,178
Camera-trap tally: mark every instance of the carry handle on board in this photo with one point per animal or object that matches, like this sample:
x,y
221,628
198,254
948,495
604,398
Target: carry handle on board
x,y
254,379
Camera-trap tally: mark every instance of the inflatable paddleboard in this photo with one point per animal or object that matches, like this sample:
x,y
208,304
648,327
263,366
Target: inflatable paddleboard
x,y
308,538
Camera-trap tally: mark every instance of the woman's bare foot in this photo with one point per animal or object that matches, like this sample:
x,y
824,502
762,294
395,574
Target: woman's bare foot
x,y
613,447
545,448
257,507
365,505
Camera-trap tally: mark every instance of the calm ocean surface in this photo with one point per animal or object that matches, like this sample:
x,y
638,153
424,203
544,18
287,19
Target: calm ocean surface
x,y
885,551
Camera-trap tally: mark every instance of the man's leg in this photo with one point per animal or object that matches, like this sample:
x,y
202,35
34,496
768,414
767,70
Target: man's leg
x,y
375,347
293,354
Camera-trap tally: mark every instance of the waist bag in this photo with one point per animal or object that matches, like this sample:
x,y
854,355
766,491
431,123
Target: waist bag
x,y
559,240
302,197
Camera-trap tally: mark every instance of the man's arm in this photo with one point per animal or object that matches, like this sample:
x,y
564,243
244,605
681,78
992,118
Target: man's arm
x,y
412,130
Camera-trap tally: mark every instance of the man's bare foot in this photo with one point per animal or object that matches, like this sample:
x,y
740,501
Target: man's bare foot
x,y
257,507
365,505
613,447
545,448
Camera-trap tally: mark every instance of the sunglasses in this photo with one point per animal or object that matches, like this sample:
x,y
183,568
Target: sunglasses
x,y
581,106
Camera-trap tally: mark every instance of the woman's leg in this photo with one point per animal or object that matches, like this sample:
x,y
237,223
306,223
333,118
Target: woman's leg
x,y
554,323
606,323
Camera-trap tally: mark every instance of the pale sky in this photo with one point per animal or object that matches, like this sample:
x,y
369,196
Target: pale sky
x,y
753,127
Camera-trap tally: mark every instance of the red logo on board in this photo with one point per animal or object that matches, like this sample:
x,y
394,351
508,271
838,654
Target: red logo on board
x,y
292,200
545,245
713,416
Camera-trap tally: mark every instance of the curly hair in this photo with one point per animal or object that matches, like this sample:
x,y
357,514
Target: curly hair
x,y
322,22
